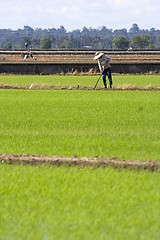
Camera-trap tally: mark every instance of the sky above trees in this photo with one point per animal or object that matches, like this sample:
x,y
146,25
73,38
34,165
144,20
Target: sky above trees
x,y
115,14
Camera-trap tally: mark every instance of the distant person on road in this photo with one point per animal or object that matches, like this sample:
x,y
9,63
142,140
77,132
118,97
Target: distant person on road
x,y
26,46
27,55
104,67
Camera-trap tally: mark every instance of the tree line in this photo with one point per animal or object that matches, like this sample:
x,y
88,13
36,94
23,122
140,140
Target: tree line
x,y
87,38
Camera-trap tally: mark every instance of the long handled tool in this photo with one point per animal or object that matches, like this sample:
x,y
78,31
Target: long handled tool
x,y
97,82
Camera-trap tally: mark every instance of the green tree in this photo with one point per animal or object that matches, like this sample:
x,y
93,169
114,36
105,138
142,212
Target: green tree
x,y
25,40
141,42
7,46
35,42
120,42
45,43
134,29
158,41
65,43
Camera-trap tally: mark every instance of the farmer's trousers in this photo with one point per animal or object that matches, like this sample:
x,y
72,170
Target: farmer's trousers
x,y
107,72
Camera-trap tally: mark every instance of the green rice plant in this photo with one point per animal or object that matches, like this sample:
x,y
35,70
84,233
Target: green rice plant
x,y
78,203
122,124
137,80
57,80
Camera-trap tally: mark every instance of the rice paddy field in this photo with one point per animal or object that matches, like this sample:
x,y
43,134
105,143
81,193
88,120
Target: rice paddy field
x,y
70,80
51,202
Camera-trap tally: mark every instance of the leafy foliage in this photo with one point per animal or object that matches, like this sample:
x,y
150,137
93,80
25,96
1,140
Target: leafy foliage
x,y
141,42
101,38
120,42
45,43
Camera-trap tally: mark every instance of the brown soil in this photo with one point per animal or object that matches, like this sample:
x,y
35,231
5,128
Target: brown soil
x,y
77,161
78,87
78,57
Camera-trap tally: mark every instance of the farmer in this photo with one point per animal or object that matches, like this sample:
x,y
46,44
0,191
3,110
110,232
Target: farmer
x,y
104,67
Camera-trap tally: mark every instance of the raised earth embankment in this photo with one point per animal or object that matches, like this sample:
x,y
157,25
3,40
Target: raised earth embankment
x,y
53,62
